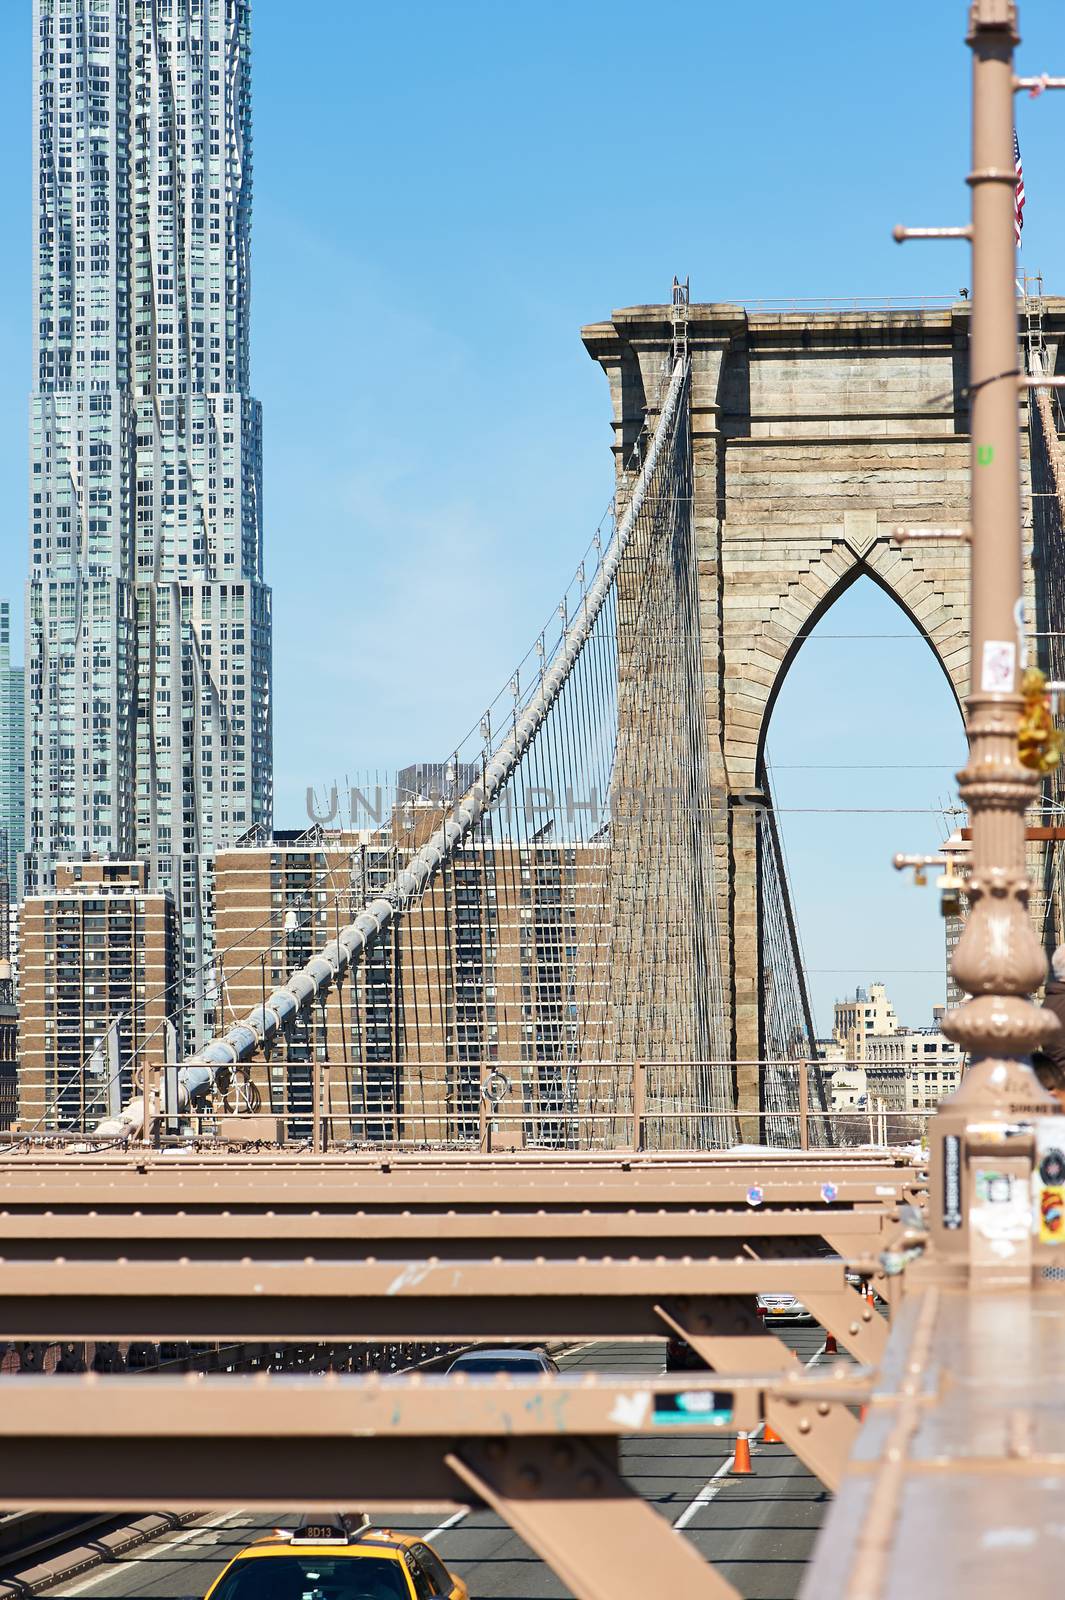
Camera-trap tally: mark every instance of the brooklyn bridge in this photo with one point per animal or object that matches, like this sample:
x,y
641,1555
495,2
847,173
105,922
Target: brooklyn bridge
x,y
507,1210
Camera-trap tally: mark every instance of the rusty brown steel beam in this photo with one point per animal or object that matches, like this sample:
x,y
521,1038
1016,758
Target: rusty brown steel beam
x,y
73,1441
813,1166
561,1189
419,1406
446,1300
92,1235
820,1434
565,1497
75,1162
570,1504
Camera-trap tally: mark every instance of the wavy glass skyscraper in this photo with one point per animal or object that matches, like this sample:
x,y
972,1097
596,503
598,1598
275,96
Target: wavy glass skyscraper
x,y
149,627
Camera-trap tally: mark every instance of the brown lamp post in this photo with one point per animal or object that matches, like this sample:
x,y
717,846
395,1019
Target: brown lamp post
x,y
999,959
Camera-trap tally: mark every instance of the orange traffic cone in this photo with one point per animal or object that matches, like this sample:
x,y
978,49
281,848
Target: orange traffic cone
x,y
770,1435
741,1460
831,1347
863,1413
870,1297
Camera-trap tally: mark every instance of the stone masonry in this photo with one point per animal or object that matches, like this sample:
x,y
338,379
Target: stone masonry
x,y
813,436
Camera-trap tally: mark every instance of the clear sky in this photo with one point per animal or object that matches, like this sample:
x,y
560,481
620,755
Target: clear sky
x,y
444,193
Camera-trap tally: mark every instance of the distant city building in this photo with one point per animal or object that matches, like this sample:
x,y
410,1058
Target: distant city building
x,y
100,984
889,1067
870,1013
848,1088
9,937
9,1038
148,636
12,758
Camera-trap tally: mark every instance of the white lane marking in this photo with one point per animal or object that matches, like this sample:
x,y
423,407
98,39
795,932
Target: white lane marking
x,y
456,1516
152,1551
715,1485
575,1350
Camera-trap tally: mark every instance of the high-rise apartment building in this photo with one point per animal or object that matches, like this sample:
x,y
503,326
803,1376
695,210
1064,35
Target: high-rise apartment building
x,y
503,964
148,623
99,987
12,767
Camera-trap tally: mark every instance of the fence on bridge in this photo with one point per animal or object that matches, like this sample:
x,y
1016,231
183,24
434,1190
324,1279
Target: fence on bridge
x,y
515,1104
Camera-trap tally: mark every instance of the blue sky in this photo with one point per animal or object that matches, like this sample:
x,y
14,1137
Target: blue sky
x,y
443,195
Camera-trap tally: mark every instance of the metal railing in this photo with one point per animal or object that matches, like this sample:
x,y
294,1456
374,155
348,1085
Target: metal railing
x,y
528,1105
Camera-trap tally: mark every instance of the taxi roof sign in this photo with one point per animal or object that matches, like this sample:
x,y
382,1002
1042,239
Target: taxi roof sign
x,y
329,1528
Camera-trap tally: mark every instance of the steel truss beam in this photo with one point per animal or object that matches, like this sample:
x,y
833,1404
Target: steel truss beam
x,y
820,1434
275,1188
451,1301
69,1442
571,1506
356,1234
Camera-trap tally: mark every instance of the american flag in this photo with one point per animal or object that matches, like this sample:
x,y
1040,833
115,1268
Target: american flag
x,y
1018,195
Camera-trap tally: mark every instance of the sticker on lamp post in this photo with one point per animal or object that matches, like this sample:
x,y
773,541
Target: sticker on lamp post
x,y
952,1181
998,669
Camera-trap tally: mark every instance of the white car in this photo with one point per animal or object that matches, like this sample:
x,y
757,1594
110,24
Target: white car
x,y
507,1358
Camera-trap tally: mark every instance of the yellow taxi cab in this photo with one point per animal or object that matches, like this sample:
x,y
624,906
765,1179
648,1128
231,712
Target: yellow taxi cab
x,y
328,1558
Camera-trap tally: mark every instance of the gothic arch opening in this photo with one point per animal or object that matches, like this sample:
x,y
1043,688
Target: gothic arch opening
x,y
858,572
861,737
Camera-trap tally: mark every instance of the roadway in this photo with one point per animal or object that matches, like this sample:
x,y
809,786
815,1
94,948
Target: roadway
x,y
758,1530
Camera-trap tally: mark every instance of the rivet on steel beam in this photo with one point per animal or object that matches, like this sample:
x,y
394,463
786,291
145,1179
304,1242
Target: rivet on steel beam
x,y
822,1408
529,1477
804,1424
588,1480
853,1328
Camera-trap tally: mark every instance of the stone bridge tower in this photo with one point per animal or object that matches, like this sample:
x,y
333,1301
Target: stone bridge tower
x,y
814,434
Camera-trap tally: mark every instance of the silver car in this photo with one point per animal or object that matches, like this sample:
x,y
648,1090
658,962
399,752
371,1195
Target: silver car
x,y
783,1308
